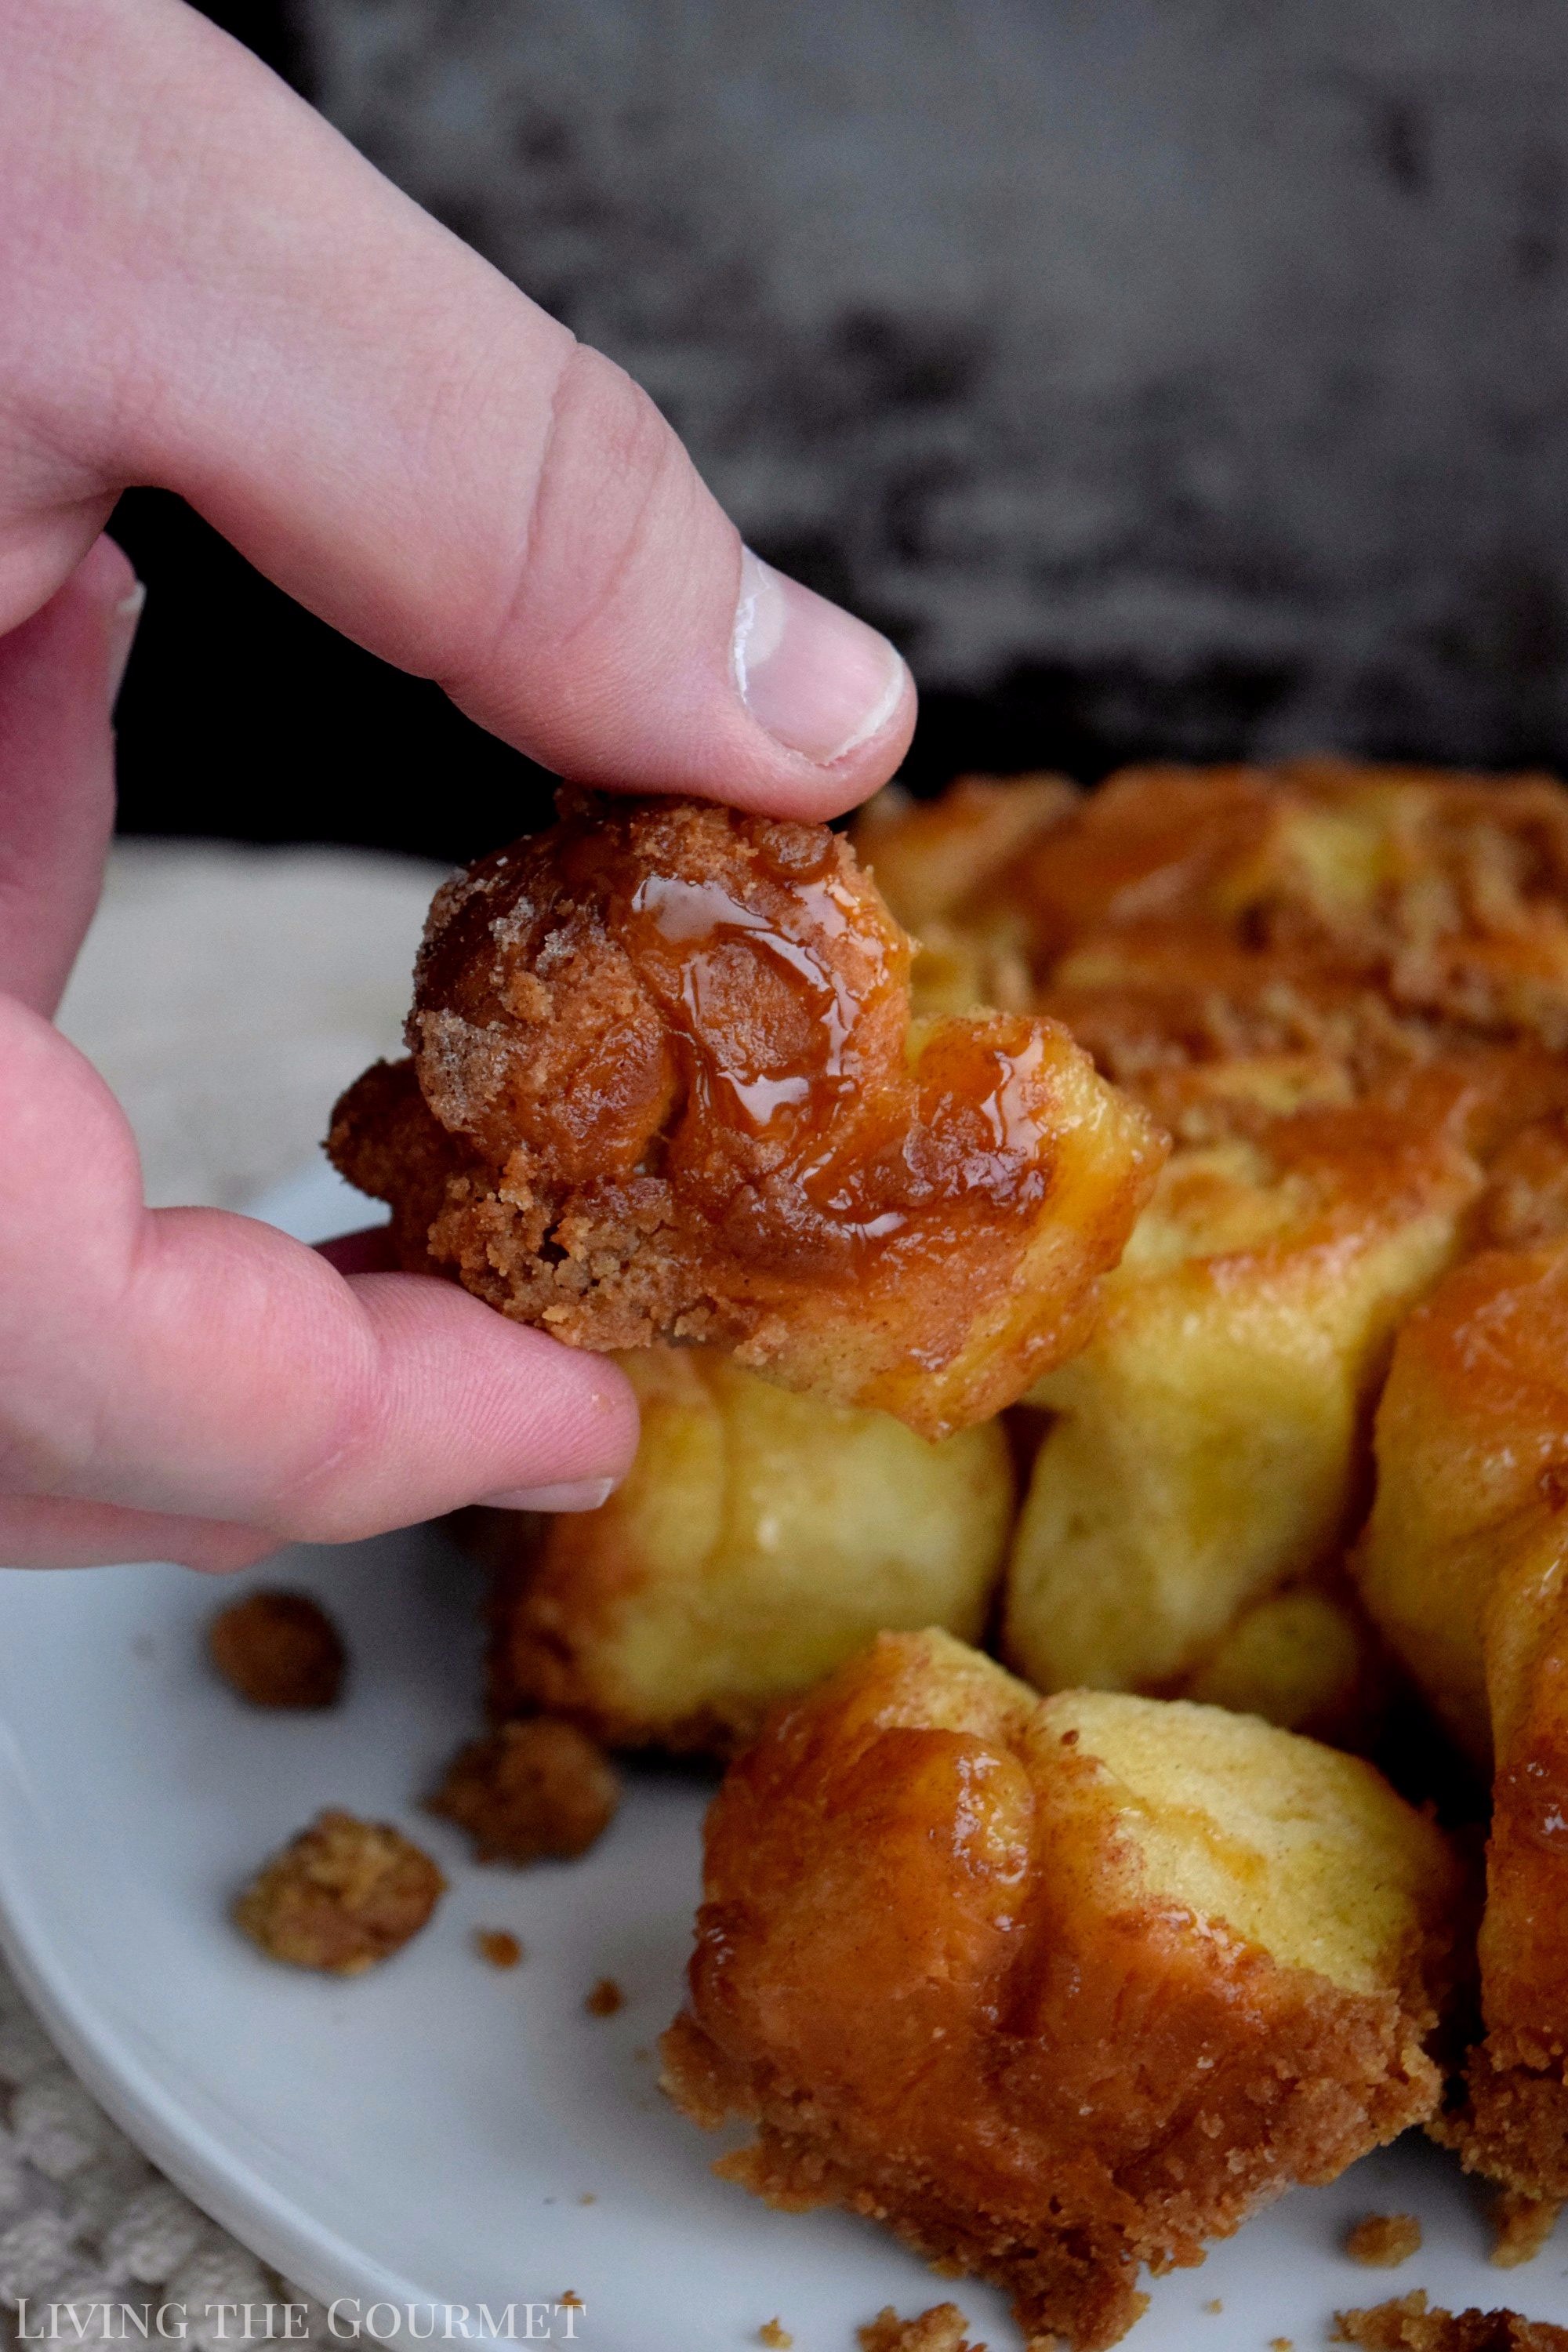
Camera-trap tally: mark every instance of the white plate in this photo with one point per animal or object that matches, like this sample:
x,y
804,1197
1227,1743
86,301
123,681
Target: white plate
x,y
439,2133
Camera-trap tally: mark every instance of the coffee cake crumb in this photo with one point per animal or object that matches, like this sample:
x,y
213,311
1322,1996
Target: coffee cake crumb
x,y
1410,2324
279,1650
1214,2303
1281,2344
1383,2241
529,1792
940,2329
498,1946
1523,2224
339,1896
605,1999
775,2336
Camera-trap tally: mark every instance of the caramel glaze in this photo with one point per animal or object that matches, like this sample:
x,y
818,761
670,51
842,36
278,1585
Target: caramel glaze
x,y
665,1085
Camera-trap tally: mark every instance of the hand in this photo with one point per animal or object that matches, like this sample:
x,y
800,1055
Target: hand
x,y
202,287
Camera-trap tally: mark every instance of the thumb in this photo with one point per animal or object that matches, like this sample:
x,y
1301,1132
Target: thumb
x,y
210,291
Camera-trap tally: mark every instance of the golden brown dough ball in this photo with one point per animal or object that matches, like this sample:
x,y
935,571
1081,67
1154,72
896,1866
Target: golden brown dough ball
x,y
1210,1442
760,1539
1055,1987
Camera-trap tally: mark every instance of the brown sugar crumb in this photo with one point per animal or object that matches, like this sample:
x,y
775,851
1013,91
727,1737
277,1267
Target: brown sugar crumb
x,y
605,1999
279,1649
1281,2344
777,2336
339,1896
940,2329
498,1946
529,1790
1523,2224
571,2301
1214,2303
1408,2326
1384,2240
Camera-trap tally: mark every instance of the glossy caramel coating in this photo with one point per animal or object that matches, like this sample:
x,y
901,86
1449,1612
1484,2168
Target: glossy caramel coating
x,y
1055,1986
665,1085
1464,1566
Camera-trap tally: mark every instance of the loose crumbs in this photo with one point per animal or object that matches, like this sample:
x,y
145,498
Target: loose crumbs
x,y
940,2329
1381,2240
498,1946
1411,2325
1523,2224
605,1999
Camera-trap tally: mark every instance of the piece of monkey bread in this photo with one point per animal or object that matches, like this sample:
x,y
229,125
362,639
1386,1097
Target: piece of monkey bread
x,y
1208,1446
1343,989
759,1540
1320,914
1057,1987
666,1085
1463,1568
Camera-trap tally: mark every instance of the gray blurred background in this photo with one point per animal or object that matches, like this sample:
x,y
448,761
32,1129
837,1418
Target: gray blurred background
x,y
1187,379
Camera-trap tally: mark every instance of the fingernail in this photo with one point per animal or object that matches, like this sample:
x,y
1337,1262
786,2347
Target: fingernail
x,y
820,681
122,623
571,1494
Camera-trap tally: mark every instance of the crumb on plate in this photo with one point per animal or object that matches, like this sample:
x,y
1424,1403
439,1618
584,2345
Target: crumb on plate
x,y
1410,2324
605,1999
530,1790
940,2329
498,1946
279,1650
1523,2224
1381,2240
1214,2303
341,1895
775,2336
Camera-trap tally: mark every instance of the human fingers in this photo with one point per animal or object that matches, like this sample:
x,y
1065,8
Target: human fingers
x,y
205,287
192,1363
59,672
41,1532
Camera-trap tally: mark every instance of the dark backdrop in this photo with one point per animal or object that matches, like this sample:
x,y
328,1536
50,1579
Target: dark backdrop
x,y
1185,382
244,717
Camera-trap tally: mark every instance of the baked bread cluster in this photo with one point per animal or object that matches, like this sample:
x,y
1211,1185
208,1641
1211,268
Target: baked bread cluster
x,y
1016,1222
